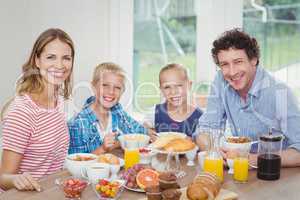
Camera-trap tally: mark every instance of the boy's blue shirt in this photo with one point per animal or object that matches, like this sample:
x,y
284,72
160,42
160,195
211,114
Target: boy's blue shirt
x,y
84,135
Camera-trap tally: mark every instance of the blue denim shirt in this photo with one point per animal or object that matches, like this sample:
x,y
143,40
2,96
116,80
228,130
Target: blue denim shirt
x,y
270,105
84,135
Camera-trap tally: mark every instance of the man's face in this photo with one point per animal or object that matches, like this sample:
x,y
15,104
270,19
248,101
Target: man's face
x,y
237,69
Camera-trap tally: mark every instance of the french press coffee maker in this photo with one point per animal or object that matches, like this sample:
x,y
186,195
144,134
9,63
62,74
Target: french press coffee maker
x,y
269,157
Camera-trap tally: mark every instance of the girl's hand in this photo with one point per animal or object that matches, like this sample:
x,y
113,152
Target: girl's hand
x,y
25,182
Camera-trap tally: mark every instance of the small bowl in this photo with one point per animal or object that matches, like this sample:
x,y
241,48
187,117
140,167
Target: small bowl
x,y
71,186
75,165
146,155
134,140
97,189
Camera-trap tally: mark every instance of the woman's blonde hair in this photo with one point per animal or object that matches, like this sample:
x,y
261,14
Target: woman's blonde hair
x,y
174,66
31,79
107,67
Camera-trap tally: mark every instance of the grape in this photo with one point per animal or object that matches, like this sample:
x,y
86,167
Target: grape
x,y
130,185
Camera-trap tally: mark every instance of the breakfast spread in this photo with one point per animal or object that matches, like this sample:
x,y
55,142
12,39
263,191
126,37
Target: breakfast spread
x,y
173,142
73,187
109,159
130,176
204,186
179,145
164,139
108,189
240,139
82,158
167,188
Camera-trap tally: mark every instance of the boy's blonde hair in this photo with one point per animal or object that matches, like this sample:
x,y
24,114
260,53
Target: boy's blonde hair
x,y
107,67
173,66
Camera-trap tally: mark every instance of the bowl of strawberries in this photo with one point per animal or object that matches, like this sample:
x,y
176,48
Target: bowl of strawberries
x,y
72,187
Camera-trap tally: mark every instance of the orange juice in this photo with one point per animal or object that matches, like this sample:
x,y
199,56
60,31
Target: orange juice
x,y
214,166
240,167
131,157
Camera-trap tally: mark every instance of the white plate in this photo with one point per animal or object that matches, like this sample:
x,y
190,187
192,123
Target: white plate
x,y
167,152
133,189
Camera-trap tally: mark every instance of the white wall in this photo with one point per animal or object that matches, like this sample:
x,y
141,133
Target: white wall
x,y
100,29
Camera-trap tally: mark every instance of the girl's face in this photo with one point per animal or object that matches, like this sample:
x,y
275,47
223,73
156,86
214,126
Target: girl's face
x,y
109,89
174,87
55,62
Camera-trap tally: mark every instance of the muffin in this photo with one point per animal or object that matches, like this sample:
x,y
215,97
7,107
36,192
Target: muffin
x,y
153,193
168,180
171,194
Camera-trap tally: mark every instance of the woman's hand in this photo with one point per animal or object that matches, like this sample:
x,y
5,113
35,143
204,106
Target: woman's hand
x,y
25,182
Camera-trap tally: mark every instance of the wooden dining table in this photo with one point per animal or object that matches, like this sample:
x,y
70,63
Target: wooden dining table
x,y
287,187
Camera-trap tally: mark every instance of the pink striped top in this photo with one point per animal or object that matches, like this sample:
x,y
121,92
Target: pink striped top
x,y
40,135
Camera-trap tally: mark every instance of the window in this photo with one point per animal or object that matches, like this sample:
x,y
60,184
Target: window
x,y
278,34
164,32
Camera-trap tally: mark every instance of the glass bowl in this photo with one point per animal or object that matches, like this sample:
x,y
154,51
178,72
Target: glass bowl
x,y
109,190
71,186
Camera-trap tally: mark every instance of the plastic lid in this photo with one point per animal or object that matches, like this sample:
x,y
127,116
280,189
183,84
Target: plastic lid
x,y
271,138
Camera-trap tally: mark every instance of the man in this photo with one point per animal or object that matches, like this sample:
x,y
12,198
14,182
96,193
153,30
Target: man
x,y
249,99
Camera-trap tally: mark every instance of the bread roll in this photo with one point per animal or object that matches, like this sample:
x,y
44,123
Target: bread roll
x,y
204,186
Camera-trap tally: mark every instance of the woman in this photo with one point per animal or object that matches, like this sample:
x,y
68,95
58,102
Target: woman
x,y
35,133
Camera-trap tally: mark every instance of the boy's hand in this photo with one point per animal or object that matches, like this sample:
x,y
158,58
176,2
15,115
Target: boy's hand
x,y
109,140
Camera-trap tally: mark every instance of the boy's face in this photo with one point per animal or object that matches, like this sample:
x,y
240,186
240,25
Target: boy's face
x,y
237,69
174,86
109,89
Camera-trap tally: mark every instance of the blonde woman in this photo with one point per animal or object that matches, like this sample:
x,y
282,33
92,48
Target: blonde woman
x,y
35,132
94,128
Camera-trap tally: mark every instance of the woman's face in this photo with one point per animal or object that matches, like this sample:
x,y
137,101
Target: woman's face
x,y
109,89
55,62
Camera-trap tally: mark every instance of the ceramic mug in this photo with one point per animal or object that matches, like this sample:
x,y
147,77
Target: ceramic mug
x,y
96,171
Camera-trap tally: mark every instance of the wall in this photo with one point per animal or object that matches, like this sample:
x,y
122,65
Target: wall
x,y
101,30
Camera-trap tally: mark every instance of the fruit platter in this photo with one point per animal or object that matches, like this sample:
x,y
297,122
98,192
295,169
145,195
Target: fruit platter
x,y
109,190
139,177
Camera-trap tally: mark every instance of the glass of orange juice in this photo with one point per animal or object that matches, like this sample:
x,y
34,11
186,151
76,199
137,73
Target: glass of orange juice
x,y
131,154
240,167
214,165
131,157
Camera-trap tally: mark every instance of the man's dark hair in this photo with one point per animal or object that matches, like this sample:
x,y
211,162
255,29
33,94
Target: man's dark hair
x,y
236,39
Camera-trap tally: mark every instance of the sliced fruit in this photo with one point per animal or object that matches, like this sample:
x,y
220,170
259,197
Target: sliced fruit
x,y
146,178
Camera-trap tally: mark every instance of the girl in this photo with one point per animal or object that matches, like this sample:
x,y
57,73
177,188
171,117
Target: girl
x,y
175,114
35,133
94,129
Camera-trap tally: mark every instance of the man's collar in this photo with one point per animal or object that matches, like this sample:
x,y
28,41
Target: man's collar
x,y
260,81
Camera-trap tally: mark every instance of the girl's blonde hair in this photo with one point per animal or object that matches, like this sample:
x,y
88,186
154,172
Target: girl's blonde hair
x,y
174,66
31,79
107,67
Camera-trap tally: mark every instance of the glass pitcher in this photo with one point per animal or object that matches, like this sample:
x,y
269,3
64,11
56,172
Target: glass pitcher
x,y
213,162
269,157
